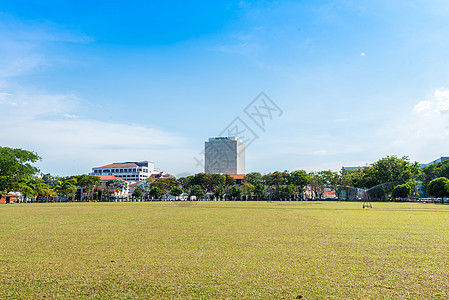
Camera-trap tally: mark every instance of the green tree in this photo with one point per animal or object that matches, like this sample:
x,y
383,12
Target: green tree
x,y
66,188
156,193
253,178
41,189
87,183
247,190
16,167
439,188
219,193
285,191
259,191
116,187
434,171
216,180
317,184
176,191
138,193
299,179
197,191
401,191
276,178
164,184
235,192
229,180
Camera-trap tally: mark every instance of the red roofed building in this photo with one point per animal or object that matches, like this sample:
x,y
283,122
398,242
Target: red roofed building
x,y
238,177
106,178
129,171
11,197
124,192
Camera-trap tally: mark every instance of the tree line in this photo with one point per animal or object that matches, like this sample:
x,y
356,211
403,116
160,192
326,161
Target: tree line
x,y
389,177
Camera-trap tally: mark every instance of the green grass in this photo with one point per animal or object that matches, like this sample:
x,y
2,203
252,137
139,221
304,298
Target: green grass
x,y
178,250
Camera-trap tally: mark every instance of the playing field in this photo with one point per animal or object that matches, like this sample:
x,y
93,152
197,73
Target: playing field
x,y
252,250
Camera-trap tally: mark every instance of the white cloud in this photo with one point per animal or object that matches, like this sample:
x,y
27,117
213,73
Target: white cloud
x,y
438,104
25,44
70,144
422,134
320,152
442,100
5,99
422,106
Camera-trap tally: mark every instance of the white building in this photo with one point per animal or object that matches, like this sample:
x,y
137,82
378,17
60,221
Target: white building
x,y
224,155
129,171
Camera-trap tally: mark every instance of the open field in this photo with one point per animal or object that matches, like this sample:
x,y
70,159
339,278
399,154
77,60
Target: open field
x,y
253,250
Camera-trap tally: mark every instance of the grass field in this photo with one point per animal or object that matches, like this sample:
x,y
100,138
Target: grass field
x,y
241,250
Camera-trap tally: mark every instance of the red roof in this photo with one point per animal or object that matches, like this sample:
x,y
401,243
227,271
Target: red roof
x,y
120,165
108,177
237,176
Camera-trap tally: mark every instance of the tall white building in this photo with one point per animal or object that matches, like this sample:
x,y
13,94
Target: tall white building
x,y
224,155
129,171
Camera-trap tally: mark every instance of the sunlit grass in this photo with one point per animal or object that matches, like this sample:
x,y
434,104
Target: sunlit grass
x,y
254,250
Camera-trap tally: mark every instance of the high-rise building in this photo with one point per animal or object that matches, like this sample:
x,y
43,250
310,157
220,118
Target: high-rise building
x,y
224,155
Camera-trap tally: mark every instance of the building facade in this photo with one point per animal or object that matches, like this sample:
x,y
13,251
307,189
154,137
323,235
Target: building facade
x,y
436,161
129,171
224,155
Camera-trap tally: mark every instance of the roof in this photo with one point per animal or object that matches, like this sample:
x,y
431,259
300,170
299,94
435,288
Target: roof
x,y
120,165
108,177
136,183
237,176
161,175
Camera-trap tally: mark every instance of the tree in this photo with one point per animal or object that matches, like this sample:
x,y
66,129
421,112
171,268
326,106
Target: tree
x,y
299,179
176,191
164,184
434,171
26,189
259,191
138,193
235,192
217,180
66,188
87,183
401,191
229,180
247,190
219,192
116,186
15,168
41,189
197,191
276,178
317,184
285,191
439,188
156,193
253,178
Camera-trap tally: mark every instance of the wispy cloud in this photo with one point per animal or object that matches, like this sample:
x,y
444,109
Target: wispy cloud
x,y
421,132
48,124
26,45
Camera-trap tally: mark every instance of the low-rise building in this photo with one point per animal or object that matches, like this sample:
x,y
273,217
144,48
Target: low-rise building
x,y
10,197
129,171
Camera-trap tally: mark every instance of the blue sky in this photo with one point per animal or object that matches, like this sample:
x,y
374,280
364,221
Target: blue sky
x,y
84,84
